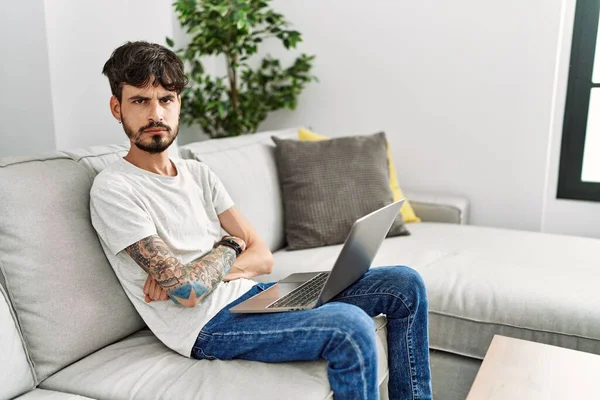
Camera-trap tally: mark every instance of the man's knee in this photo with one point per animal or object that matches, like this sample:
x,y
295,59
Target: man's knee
x,y
416,281
352,322
411,284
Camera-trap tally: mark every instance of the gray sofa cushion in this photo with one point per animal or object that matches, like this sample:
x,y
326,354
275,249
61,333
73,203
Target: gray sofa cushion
x,y
96,158
435,207
485,281
327,185
16,375
452,375
246,166
141,367
64,292
41,394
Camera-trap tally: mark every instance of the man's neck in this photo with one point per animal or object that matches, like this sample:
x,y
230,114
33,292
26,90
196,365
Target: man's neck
x,y
156,163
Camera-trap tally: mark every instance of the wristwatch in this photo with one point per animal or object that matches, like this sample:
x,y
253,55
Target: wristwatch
x,y
232,244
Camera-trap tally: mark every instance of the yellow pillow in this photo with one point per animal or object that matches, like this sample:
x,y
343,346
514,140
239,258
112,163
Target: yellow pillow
x,y
407,211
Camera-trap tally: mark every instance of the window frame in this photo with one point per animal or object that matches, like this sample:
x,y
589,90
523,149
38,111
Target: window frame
x,y
580,85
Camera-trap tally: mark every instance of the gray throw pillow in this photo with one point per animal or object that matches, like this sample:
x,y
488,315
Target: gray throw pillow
x,y
329,184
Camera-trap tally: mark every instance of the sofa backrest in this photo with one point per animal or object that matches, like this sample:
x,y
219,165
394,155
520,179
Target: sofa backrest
x,y
96,158
246,166
65,294
16,375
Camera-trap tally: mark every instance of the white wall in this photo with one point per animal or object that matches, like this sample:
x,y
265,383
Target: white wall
x,y
189,134
470,93
26,121
565,216
81,37
463,89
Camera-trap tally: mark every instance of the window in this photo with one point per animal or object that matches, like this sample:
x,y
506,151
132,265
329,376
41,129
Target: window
x,y
579,173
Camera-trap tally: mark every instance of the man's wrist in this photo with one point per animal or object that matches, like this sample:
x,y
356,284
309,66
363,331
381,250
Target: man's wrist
x,y
232,244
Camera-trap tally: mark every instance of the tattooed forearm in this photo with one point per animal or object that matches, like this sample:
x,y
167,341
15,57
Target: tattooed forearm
x,y
200,277
186,284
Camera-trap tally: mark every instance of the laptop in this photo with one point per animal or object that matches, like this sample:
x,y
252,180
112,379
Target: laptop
x,y
306,290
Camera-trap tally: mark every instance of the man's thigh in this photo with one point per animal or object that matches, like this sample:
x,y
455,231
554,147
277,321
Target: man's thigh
x,y
390,290
277,337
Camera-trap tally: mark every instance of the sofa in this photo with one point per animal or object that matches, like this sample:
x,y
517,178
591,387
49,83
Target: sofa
x,y
69,331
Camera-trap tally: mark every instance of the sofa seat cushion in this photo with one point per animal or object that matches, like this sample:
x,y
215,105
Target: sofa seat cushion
x,y
141,367
485,281
41,394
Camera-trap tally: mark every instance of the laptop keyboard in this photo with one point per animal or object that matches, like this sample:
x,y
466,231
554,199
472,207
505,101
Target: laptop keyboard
x,y
302,295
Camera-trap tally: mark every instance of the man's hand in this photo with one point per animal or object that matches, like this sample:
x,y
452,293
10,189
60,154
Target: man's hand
x,y
154,291
236,273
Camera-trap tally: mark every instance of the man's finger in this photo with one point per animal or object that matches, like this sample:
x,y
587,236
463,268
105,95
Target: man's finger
x,y
148,279
235,275
157,290
151,290
164,295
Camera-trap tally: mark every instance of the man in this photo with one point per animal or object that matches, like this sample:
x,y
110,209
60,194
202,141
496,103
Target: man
x,y
159,222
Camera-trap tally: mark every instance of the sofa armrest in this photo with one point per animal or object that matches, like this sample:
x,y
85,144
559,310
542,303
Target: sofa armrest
x,y
432,207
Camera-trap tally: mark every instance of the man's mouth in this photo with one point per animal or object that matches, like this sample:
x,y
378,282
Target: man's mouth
x,y
154,130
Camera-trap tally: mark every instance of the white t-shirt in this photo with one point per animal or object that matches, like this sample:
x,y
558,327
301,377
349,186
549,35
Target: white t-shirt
x,y
128,204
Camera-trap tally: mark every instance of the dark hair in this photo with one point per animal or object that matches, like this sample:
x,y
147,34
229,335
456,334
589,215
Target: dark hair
x,y
136,63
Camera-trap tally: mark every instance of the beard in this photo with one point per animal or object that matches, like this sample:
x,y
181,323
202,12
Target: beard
x,y
153,144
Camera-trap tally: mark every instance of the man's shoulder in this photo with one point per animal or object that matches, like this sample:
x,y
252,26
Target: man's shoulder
x,y
189,163
112,175
198,168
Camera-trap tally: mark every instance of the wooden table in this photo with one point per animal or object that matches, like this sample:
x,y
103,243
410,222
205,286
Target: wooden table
x,y
518,369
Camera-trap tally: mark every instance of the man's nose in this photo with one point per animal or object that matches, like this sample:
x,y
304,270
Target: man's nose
x,y
156,112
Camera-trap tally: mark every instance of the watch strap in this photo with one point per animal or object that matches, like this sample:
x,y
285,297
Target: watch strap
x,y
231,244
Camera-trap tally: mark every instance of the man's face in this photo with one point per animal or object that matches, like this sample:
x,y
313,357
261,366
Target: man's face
x,y
150,117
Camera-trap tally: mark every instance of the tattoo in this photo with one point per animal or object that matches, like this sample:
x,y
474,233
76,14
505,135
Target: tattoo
x,y
185,283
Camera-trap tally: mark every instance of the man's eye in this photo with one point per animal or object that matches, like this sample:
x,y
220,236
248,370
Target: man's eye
x,y
167,101
139,101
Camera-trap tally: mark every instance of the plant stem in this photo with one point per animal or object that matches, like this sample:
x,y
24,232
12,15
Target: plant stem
x,y
232,73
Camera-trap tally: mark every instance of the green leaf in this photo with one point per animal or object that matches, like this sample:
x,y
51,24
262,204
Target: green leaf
x,y
223,10
235,29
170,42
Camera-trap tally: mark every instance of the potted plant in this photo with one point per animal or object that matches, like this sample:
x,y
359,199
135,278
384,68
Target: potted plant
x,y
237,102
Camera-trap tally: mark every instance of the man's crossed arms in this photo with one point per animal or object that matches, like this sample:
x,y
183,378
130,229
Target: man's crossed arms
x,y
188,284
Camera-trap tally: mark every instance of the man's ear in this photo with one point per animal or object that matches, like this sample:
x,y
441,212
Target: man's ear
x,y
115,108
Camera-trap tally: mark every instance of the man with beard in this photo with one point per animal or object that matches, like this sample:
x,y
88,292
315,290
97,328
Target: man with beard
x,y
159,221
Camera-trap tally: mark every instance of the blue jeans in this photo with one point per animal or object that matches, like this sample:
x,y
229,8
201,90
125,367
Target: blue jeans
x,y
341,332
